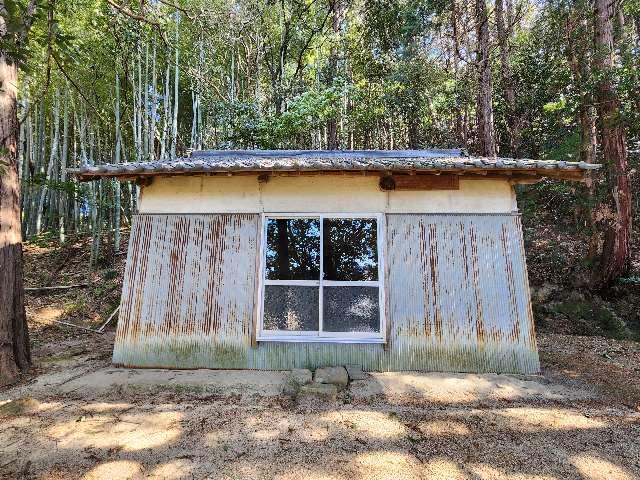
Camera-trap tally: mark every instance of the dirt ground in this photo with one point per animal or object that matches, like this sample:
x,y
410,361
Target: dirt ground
x,y
75,417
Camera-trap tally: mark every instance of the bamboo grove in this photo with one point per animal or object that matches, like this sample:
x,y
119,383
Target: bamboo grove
x,y
104,81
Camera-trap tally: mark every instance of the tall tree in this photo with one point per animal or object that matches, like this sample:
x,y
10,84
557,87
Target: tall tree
x,y
614,259
15,353
486,143
460,126
579,60
504,30
332,123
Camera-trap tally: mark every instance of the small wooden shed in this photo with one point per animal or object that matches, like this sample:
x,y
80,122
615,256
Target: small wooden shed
x,y
393,260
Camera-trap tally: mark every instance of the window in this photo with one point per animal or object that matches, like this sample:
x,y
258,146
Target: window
x,y
321,278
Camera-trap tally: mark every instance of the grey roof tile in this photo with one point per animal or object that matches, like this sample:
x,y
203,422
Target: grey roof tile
x,y
325,160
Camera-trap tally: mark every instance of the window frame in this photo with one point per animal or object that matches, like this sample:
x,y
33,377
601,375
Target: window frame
x,y
320,335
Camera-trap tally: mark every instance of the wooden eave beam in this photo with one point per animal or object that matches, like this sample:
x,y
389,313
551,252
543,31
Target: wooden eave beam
x,y
515,175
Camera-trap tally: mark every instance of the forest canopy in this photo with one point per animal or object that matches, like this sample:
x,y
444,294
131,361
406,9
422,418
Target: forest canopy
x,y
109,81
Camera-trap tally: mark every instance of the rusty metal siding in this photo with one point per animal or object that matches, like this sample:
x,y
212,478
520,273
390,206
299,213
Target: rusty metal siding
x,y
187,297
457,297
459,294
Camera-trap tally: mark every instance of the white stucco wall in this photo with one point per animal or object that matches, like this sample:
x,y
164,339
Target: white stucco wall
x,y
357,193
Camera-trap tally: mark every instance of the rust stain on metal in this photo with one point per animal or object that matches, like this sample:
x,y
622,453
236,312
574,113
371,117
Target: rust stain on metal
x,y
427,290
531,332
457,297
429,255
511,282
479,313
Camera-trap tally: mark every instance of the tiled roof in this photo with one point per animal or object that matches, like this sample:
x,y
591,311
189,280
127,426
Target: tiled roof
x,y
230,161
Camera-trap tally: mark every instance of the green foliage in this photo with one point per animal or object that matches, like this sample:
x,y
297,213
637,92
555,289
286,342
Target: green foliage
x,y
599,315
272,74
308,110
565,204
43,240
76,308
109,274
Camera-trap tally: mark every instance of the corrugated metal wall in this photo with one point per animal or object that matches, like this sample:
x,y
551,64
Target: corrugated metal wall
x,y
457,297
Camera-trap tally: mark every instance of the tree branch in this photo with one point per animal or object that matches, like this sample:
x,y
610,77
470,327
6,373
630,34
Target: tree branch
x,y
131,14
186,12
314,32
76,87
27,21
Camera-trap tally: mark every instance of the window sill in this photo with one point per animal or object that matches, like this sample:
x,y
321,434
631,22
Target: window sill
x,y
304,339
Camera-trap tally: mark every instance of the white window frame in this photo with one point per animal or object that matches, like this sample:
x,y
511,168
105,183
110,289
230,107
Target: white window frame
x,y
321,336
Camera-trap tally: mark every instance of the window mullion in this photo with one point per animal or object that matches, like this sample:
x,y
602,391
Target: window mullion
x,y
263,270
320,293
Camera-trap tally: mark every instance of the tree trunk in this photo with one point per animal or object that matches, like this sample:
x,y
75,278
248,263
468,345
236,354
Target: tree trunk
x,y
332,123
486,144
146,119
166,112
116,159
588,131
460,136
614,258
504,37
176,81
15,354
62,198
413,133
580,65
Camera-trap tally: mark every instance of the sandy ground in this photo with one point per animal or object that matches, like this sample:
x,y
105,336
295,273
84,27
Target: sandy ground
x,y
76,417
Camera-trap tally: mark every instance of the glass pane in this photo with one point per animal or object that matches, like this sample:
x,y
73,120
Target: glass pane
x,y
350,249
293,249
291,308
351,309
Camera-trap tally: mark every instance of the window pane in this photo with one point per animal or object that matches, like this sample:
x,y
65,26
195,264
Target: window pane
x,y
350,249
291,308
351,309
293,249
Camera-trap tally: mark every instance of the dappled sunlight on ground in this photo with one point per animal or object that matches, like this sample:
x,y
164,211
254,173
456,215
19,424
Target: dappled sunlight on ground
x,y
105,407
488,472
264,435
536,419
298,473
439,468
451,388
120,469
127,433
142,435
173,469
47,315
375,425
81,419
312,433
387,465
594,467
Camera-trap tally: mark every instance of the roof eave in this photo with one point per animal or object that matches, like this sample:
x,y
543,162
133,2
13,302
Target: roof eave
x,y
517,175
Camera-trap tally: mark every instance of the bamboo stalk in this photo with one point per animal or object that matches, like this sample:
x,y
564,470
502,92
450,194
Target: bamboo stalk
x,y
57,287
113,314
68,324
176,82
